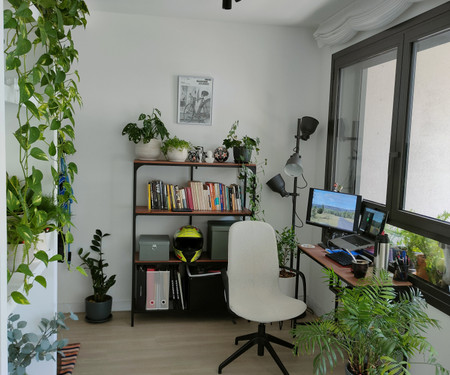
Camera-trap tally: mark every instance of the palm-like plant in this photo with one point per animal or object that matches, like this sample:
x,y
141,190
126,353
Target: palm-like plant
x,y
96,265
376,329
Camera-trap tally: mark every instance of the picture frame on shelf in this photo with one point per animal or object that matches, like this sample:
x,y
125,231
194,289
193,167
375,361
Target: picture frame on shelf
x,y
195,97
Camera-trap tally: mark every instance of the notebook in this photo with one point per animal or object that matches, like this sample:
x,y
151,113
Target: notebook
x,y
371,224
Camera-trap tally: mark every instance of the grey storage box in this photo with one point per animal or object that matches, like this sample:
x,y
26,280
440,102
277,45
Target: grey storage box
x,y
154,247
217,242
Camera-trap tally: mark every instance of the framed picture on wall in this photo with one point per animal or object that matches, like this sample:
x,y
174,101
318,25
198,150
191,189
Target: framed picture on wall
x,y
195,96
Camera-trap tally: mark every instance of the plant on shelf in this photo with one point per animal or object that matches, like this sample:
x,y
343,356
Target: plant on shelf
x,y
24,347
377,330
39,54
98,305
147,144
176,149
242,148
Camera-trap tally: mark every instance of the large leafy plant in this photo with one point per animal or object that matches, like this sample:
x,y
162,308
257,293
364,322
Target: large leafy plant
x,y
377,330
96,265
24,347
39,51
152,127
286,245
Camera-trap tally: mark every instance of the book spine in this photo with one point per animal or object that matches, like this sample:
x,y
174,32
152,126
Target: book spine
x,y
149,194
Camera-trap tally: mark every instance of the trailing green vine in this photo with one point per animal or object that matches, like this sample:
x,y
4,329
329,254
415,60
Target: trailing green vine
x,y
40,51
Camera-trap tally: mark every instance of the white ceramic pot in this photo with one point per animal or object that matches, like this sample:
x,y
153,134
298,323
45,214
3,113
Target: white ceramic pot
x,y
287,285
148,151
17,254
175,154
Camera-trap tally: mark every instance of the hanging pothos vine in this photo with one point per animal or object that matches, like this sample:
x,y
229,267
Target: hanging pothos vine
x,y
40,50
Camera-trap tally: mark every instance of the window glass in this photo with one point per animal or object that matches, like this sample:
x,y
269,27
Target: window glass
x,y
364,121
428,161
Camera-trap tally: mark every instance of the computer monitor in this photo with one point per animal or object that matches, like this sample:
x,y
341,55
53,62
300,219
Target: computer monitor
x,y
334,211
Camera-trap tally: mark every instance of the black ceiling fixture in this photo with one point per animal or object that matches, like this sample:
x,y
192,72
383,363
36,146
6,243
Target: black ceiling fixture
x,y
226,4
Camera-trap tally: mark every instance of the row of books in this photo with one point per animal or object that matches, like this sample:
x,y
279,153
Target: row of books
x,y
197,196
159,290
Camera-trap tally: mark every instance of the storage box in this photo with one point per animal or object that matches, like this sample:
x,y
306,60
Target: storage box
x,y
205,290
154,247
217,242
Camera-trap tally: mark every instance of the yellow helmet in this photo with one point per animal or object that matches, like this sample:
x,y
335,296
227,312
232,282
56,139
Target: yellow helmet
x,y
188,243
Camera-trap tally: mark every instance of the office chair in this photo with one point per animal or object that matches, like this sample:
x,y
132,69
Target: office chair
x,y
253,291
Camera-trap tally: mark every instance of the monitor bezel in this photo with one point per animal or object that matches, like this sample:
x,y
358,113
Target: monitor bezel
x,y
357,212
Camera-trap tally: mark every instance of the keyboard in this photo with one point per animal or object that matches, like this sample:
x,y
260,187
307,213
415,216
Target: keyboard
x,y
341,257
357,241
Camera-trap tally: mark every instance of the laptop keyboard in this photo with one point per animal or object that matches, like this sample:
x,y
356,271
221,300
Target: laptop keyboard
x,y
341,257
357,241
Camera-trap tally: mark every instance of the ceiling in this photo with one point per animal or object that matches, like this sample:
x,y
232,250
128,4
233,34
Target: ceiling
x,y
306,13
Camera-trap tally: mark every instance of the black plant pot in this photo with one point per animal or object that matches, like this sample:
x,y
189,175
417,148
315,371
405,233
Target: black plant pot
x,y
98,312
242,154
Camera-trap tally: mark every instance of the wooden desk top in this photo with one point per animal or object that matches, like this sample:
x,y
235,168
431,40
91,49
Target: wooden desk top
x,y
344,273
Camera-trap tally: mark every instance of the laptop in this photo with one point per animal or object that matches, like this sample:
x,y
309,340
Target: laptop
x,y
371,224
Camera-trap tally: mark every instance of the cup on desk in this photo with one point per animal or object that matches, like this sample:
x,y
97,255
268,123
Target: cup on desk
x,y
360,267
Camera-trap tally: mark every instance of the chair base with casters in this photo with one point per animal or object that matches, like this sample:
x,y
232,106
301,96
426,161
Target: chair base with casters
x,y
263,340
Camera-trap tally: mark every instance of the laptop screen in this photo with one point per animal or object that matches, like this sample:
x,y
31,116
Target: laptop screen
x,y
372,222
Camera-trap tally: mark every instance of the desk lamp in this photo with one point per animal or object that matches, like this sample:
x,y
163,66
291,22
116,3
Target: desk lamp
x,y
293,168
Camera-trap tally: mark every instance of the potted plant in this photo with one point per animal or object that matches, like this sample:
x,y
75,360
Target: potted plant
x,y
40,53
374,328
286,247
98,305
176,149
24,347
147,144
242,148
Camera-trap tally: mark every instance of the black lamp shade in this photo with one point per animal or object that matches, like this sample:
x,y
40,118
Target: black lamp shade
x,y
308,126
277,185
226,4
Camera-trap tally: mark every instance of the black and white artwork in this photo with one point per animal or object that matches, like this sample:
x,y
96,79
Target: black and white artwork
x,y
195,100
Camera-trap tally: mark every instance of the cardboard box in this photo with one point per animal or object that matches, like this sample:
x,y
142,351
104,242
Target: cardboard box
x,y
154,247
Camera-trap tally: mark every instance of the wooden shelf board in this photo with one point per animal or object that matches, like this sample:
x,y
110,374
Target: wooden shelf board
x,y
190,164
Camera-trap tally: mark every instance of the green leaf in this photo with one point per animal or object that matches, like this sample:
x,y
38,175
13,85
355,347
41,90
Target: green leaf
x,y
81,270
42,256
37,153
57,257
52,149
35,134
41,280
26,90
49,91
69,237
25,269
19,298
25,233
45,59
24,10
23,46
60,77
55,125
12,62
32,108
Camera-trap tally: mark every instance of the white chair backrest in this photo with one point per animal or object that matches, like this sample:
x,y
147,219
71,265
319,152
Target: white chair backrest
x,y
252,257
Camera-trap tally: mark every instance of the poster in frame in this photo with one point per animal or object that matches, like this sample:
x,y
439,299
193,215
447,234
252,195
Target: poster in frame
x,y
195,96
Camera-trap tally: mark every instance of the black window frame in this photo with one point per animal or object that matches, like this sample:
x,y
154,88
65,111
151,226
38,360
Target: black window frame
x,y
401,38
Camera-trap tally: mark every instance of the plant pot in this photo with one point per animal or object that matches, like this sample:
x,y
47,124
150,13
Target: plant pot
x,y
347,370
175,154
242,154
287,284
41,244
98,312
148,151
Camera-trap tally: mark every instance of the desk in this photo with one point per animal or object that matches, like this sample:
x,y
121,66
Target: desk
x,y
344,274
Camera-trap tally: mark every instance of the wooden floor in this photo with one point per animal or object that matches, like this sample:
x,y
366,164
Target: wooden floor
x,y
165,343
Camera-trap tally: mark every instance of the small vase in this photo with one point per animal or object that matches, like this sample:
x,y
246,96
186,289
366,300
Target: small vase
x,y
148,151
242,155
177,155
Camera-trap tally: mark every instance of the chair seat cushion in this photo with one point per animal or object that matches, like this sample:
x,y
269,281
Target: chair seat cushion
x,y
265,305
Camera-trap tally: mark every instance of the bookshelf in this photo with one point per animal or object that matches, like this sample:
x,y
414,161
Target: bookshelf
x,y
139,167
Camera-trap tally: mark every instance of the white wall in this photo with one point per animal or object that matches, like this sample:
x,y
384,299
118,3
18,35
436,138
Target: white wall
x,y
265,77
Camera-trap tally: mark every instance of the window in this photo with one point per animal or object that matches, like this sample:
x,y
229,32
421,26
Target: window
x,y
388,136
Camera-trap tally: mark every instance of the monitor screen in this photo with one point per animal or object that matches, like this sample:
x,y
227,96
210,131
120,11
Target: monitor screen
x,y
333,210
372,222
